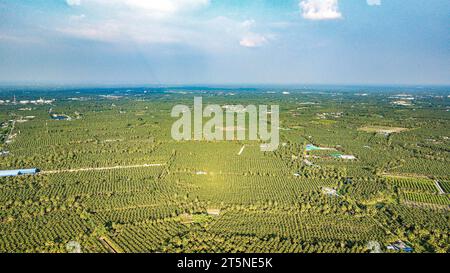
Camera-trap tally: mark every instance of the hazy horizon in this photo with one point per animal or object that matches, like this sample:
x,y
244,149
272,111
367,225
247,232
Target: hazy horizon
x,y
218,85
236,85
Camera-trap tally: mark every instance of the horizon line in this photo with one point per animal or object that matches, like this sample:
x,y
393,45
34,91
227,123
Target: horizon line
x,y
236,85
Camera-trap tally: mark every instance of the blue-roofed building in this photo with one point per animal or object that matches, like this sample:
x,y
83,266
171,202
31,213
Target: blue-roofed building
x,y
18,172
312,147
400,245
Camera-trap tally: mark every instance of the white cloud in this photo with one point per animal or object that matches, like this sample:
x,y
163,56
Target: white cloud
x,y
320,9
73,2
249,38
248,23
154,8
77,17
145,22
216,34
253,40
374,2
166,6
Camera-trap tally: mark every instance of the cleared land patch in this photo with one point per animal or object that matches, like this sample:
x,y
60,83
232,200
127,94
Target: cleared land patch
x,y
382,129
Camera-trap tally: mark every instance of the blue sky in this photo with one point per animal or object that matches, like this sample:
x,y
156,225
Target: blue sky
x,y
225,41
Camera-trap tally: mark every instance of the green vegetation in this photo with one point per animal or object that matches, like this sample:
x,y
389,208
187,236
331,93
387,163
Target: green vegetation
x,y
113,180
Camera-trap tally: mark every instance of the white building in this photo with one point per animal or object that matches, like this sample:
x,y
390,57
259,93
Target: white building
x,y
348,157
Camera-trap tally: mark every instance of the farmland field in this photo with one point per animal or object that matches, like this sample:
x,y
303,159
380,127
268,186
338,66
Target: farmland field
x,y
112,179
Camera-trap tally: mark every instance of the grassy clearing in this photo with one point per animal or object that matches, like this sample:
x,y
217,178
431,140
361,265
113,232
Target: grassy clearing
x,y
382,129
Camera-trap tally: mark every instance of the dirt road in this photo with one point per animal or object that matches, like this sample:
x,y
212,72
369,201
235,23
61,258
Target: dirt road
x,y
101,168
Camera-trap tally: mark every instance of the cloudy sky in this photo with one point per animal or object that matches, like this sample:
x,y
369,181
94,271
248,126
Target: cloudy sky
x,y
225,41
